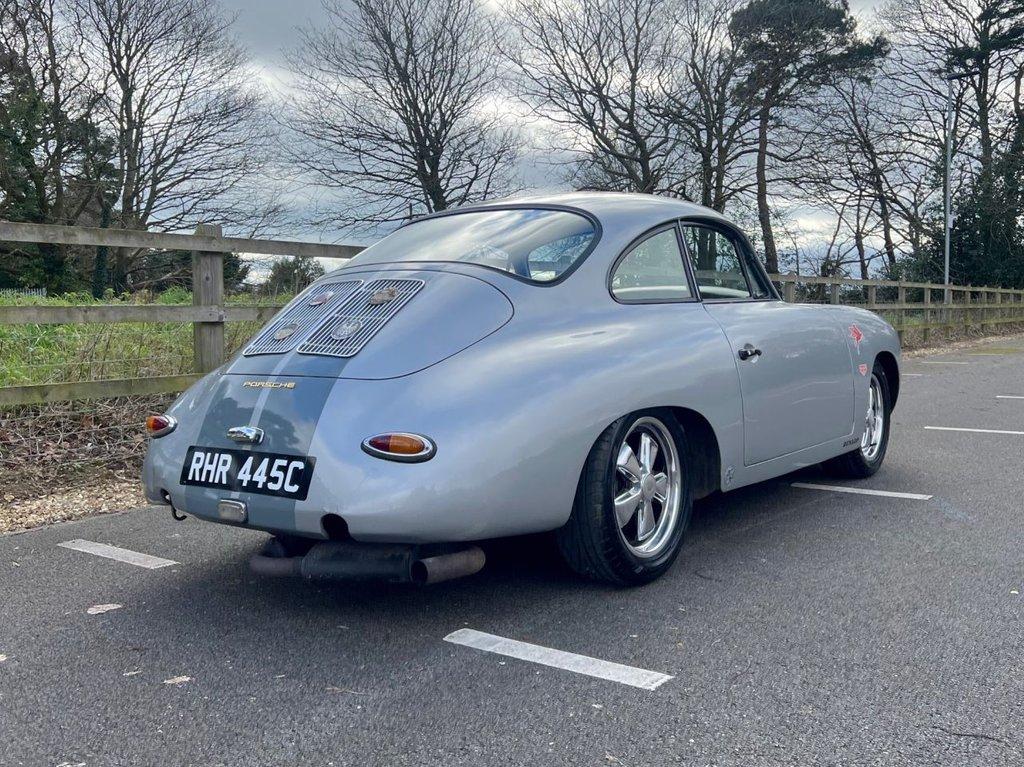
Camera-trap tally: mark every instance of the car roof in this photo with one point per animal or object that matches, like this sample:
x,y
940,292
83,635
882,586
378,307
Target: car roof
x,y
622,216
619,209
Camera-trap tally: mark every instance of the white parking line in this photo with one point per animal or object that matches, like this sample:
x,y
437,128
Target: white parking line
x,y
911,375
942,362
1009,396
121,555
568,661
976,431
863,491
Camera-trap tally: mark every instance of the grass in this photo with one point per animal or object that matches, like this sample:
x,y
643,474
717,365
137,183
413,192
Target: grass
x,y
38,354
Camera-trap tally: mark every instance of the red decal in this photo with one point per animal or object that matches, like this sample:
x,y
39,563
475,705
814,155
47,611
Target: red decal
x,y
857,336
863,370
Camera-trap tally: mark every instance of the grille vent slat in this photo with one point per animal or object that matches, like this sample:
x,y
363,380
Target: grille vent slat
x,y
304,316
358,311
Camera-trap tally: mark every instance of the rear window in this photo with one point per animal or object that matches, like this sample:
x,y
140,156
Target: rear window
x,y
536,245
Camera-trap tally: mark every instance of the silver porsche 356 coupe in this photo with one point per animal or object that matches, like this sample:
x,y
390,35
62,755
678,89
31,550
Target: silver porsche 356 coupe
x,y
586,363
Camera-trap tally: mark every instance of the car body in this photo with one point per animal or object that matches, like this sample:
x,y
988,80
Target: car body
x,y
512,372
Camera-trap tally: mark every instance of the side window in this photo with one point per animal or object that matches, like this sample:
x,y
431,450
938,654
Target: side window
x,y
652,271
720,268
716,263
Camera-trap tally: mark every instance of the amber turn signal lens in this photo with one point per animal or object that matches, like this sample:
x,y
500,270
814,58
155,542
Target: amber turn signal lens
x,y
159,425
399,446
403,444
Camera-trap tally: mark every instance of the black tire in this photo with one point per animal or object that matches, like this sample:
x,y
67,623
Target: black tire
x,y
855,465
591,542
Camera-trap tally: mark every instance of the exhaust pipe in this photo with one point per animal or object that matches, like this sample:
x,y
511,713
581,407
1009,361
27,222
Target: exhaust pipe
x,y
383,562
446,567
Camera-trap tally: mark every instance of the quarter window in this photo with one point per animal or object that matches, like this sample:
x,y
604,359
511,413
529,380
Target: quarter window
x,y
652,271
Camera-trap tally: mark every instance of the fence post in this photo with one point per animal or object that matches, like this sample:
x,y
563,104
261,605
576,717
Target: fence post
x,y
789,290
834,298
901,300
872,297
208,290
926,335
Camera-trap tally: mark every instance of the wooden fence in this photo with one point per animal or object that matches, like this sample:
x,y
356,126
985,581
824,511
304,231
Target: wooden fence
x,y
208,314
909,306
913,306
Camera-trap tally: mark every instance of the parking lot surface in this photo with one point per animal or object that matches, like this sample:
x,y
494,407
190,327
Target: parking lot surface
x,y
800,626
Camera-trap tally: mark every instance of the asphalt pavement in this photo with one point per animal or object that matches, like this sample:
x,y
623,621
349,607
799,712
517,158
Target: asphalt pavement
x,y
799,626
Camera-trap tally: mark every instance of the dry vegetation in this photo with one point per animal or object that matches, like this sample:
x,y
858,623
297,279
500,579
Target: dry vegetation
x,y
72,459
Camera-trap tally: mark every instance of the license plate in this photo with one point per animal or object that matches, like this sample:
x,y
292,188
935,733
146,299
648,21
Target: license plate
x,y
247,471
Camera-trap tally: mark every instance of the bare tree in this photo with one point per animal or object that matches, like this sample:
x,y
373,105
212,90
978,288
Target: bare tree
x,y
41,44
856,156
188,125
717,123
790,51
397,109
602,71
54,160
980,43
180,104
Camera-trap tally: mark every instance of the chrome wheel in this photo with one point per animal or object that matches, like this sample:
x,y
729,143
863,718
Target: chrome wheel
x,y
648,487
874,427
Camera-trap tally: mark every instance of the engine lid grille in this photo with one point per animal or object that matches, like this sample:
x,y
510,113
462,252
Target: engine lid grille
x,y
292,325
360,317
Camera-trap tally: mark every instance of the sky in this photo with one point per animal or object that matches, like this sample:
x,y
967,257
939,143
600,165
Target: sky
x,y
268,28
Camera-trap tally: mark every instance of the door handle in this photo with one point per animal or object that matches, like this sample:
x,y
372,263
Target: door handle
x,y
748,351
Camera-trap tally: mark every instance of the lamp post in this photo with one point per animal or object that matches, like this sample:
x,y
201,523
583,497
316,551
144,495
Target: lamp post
x,y
945,185
947,213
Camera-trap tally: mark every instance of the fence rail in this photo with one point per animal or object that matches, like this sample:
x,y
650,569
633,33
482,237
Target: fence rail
x,y
960,307
202,241
957,308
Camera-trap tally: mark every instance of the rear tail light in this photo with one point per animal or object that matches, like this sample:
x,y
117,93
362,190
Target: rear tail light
x,y
159,425
400,446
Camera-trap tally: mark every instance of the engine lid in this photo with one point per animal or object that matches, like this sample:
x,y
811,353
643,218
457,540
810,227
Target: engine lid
x,y
375,324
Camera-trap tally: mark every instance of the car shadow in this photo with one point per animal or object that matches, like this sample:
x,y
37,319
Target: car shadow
x,y
523,576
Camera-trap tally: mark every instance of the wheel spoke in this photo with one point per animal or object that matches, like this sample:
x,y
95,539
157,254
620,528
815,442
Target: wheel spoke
x,y
626,504
646,488
645,521
627,463
648,452
661,486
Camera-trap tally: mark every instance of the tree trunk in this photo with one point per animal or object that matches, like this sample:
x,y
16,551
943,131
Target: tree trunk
x,y
884,210
100,276
861,252
771,258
